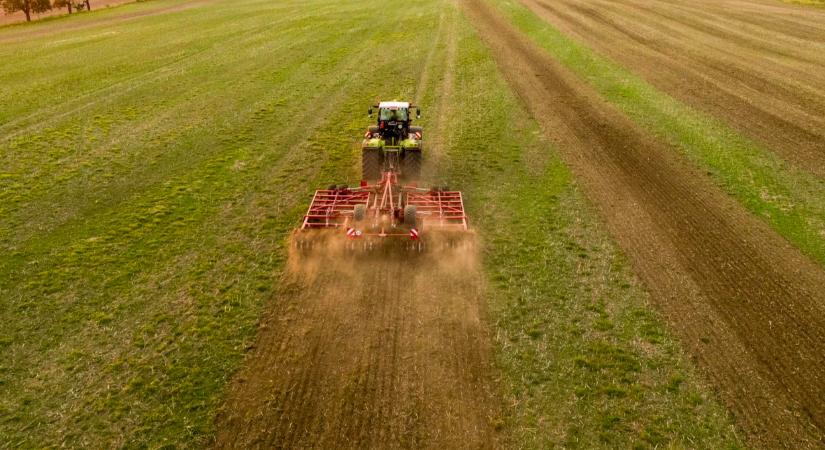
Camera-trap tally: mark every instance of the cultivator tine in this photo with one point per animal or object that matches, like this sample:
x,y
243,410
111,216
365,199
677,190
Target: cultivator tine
x,y
415,247
302,245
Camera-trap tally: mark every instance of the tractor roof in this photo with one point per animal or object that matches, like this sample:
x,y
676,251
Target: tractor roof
x,y
394,105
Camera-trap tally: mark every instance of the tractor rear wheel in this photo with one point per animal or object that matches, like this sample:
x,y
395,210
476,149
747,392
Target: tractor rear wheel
x,y
370,164
411,165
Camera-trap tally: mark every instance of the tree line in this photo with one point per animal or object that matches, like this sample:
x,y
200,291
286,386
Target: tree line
x,y
30,7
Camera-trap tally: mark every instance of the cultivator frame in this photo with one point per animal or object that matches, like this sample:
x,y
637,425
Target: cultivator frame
x,y
385,211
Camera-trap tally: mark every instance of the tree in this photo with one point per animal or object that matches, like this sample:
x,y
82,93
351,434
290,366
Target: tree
x,y
69,4
27,6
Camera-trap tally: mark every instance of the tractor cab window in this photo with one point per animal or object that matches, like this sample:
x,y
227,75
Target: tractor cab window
x,y
398,115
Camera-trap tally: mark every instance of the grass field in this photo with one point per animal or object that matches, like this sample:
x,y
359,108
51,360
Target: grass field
x,y
149,179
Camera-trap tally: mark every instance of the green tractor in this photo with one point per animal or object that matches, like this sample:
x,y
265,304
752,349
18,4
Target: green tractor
x,y
393,144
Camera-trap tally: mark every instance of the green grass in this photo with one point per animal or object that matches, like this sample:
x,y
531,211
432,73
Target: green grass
x,y
150,177
792,201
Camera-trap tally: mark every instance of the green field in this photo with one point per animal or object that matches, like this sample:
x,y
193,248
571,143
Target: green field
x,y
154,158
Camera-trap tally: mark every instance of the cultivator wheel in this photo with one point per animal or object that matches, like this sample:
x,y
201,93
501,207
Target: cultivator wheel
x,y
410,218
359,213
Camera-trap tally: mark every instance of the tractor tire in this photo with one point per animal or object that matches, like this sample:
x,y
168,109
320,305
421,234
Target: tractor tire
x,y
411,165
359,213
410,218
370,164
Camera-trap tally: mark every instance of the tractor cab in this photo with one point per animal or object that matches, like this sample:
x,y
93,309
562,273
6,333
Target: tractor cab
x,y
393,144
394,120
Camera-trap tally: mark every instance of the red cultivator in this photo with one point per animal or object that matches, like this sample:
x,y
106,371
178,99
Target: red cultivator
x,y
386,211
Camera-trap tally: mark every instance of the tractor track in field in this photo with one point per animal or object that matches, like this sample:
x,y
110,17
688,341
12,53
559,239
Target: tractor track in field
x,y
383,351
752,70
748,306
437,143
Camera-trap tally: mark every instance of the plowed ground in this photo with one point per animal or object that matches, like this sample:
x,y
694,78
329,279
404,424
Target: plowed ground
x,y
384,351
746,304
758,65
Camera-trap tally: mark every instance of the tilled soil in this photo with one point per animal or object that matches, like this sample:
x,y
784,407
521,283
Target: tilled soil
x,y
380,351
746,304
760,66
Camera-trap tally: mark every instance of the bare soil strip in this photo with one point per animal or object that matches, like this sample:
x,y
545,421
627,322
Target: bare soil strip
x,y
747,305
384,351
745,62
